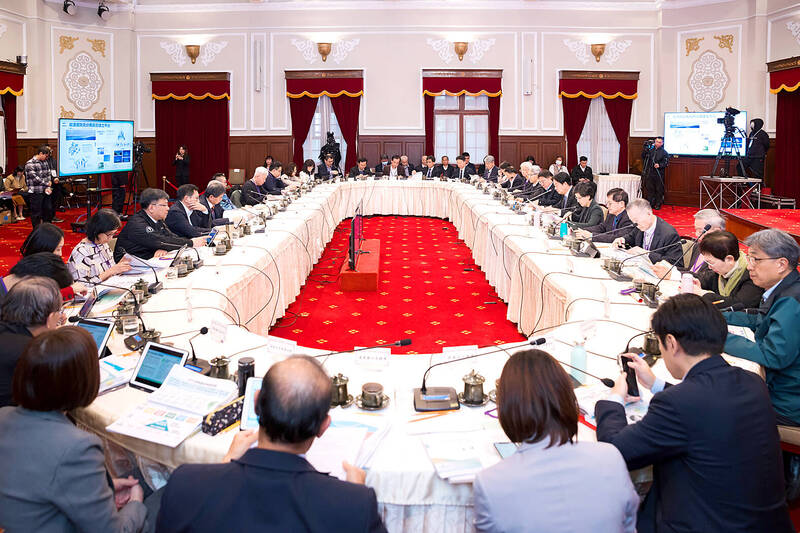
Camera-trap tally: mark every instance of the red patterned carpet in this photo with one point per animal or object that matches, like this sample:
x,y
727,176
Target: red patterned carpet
x,y
12,236
787,220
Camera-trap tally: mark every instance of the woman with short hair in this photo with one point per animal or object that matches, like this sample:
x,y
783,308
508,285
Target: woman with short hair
x,y
731,283
308,171
551,482
92,260
45,237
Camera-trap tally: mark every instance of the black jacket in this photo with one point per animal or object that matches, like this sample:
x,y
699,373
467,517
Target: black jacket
x,y
13,341
517,184
529,190
181,166
758,142
611,228
142,236
588,216
663,235
448,172
273,185
490,174
471,169
713,443
265,491
178,222
214,217
656,156
252,194
746,292
324,174
354,172
578,173
551,197
571,203
435,171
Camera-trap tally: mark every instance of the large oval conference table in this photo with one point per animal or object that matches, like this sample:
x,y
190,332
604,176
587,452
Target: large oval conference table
x,y
548,291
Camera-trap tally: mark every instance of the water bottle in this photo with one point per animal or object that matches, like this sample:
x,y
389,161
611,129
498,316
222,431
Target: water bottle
x,y
577,358
563,230
687,283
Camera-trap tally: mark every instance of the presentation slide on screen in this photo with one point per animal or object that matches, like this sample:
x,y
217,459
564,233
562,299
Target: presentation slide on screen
x,y
699,133
94,146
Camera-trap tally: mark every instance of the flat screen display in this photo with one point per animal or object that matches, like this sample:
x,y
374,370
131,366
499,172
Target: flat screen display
x,y
100,331
699,133
154,365
94,146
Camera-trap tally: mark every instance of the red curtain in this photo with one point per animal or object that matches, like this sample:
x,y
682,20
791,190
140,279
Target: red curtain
x,y
787,139
10,110
346,110
203,126
429,126
302,110
575,111
784,80
619,113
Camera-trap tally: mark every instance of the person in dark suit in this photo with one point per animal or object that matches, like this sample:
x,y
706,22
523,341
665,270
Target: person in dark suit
x,y
655,161
616,223
694,263
360,170
448,170
550,196
211,201
515,181
383,162
406,168
712,439
181,163
326,170
469,166
273,487
582,172
651,233
490,170
591,214
393,169
253,191
431,170
564,188
273,183
146,235
423,166
461,170
731,283
757,148
179,216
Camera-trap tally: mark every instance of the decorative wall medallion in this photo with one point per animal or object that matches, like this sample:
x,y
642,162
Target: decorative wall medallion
x,y
3,29
794,27
100,115
444,48
209,51
66,42
98,45
580,49
176,52
708,80
615,49
66,114
307,49
693,44
83,81
725,41
478,48
341,49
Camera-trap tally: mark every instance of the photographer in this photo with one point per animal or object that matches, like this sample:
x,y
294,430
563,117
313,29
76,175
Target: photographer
x,y
654,163
757,146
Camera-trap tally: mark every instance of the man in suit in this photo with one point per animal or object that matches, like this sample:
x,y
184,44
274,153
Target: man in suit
x,y
431,170
273,183
697,265
448,171
591,214
423,166
564,187
272,487
393,170
146,235
327,169
384,162
582,172
360,171
651,233
471,170
757,147
531,188
405,167
212,213
490,170
549,197
616,224
461,171
253,192
712,439
179,217
515,181
655,161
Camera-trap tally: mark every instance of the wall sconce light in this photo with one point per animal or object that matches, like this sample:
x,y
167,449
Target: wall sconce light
x,y
324,50
102,11
460,48
597,51
192,50
69,7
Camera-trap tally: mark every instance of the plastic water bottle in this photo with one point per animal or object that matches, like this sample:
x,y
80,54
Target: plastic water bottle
x,y
577,358
563,230
687,283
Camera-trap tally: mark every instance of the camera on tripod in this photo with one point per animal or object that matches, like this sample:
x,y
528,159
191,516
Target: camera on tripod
x,y
139,149
728,119
649,144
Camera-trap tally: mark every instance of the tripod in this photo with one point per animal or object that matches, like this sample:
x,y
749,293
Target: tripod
x,y
728,149
133,183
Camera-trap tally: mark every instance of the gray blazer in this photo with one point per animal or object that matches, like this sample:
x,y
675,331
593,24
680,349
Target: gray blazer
x,y
563,489
53,478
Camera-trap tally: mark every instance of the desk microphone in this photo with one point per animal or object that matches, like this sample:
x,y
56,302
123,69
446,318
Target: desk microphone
x,y
132,342
608,382
537,196
619,276
739,307
446,398
153,288
688,251
611,231
401,342
198,365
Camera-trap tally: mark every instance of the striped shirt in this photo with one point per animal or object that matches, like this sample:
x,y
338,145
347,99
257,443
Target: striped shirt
x,y
37,175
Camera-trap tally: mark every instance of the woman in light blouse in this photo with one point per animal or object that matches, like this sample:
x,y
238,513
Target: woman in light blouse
x,y
15,182
309,169
91,260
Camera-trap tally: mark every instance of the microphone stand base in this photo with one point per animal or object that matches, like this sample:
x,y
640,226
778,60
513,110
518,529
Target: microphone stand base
x,y
651,303
618,276
201,366
154,288
436,399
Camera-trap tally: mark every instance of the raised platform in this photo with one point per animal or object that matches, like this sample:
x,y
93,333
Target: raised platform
x,y
365,277
745,222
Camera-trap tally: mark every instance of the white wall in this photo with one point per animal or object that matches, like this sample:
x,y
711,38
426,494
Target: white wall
x,y
390,43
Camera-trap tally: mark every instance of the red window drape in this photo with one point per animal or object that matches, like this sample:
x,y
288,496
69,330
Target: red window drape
x,y
456,86
785,83
194,113
618,96
10,88
345,95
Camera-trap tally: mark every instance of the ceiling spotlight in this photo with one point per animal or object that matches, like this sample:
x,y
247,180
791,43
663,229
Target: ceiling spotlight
x,y
103,12
69,7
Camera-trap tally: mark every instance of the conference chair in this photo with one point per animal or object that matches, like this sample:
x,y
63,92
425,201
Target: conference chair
x,y
236,198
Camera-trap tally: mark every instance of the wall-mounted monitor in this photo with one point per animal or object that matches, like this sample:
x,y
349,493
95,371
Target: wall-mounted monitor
x,y
700,133
94,146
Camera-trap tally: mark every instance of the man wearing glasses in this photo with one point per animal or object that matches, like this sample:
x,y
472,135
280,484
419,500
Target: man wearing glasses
x,y
772,263
146,235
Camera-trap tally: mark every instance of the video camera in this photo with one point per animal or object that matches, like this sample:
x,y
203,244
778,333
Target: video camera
x,y
649,144
139,149
728,119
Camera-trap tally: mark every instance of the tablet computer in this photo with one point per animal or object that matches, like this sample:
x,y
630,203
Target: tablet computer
x,y
91,298
210,237
249,416
100,330
154,365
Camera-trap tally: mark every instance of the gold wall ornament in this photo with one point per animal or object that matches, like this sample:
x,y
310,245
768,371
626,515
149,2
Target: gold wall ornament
x,y
725,41
693,44
193,50
324,49
597,51
98,45
66,114
460,49
65,42
100,115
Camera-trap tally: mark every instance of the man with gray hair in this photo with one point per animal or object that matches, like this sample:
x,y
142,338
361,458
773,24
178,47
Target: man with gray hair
x,y
32,306
253,192
211,200
772,264
652,234
489,169
696,263
272,487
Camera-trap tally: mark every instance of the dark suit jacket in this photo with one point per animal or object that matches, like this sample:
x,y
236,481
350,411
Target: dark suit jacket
x,y
273,185
588,216
354,172
435,172
13,341
490,175
608,230
252,194
178,221
215,216
402,171
664,235
324,174
714,447
571,203
760,145
529,190
578,173
181,167
379,167
457,172
265,491
471,169
142,236
516,184
551,197
448,172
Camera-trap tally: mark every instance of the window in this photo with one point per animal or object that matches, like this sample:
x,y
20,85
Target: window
x,y
324,121
598,141
461,124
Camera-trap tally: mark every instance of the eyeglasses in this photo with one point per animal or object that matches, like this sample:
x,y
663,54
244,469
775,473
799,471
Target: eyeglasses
x,y
165,204
755,260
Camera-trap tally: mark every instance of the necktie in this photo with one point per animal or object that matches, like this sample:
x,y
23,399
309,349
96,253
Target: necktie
x,y
614,224
429,172
462,173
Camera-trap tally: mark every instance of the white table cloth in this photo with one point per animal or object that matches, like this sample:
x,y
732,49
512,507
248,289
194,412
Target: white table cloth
x,y
631,183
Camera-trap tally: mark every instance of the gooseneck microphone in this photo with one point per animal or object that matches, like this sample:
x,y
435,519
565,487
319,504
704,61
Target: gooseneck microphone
x,y
198,365
608,382
647,252
401,342
688,251
153,288
739,307
626,226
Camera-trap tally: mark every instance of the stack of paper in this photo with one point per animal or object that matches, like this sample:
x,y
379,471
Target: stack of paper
x,y
116,370
589,395
175,410
336,445
456,459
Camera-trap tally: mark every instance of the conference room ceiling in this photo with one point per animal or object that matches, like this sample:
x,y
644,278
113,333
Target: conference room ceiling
x,y
589,4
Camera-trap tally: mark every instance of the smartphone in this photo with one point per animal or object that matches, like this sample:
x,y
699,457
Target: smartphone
x,y
630,377
210,237
505,449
